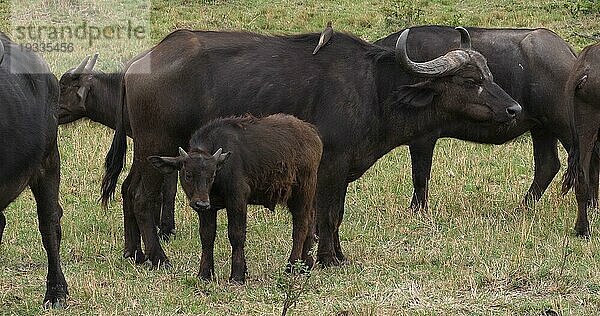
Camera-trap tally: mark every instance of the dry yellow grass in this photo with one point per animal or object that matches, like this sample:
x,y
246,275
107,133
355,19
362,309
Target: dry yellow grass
x,y
474,253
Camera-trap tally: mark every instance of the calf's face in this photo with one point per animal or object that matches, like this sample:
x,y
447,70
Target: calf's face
x,y
74,87
197,173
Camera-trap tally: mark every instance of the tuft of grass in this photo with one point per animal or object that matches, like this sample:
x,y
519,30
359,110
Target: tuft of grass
x,y
474,253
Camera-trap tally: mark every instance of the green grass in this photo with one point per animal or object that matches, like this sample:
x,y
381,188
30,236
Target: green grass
x,y
474,253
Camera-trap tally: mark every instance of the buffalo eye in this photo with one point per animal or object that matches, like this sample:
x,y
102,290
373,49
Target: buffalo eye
x,y
471,82
187,176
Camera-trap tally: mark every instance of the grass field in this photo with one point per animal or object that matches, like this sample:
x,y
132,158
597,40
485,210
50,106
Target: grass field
x,y
474,253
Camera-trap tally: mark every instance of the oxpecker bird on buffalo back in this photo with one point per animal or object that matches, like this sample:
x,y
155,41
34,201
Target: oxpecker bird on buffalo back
x,y
377,100
325,37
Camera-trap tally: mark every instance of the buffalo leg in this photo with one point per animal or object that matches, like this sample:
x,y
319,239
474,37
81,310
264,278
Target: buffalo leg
x,y
2,224
300,205
547,165
331,191
167,214
133,241
421,155
145,205
307,255
236,231
594,169
582,224
207,227
45,187
587,138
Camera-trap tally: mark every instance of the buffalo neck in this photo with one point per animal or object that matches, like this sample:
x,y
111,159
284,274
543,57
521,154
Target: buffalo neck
x,y
405,124
104,99
402,123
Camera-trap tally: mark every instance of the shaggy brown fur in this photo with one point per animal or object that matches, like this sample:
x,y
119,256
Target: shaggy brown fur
x,y
264,161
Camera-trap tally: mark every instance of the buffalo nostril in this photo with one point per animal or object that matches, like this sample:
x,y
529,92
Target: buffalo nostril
x,y
199,205
513,110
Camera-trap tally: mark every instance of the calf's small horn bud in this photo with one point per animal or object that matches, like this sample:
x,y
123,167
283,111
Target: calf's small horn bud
x,y
182,153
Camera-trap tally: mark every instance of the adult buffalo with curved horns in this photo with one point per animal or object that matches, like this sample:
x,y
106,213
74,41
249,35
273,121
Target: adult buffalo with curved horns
x,y
364,99
532,65
96,95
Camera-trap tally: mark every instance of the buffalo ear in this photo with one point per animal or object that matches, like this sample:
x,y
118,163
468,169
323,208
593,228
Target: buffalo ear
x,y
222,158
581,82
165,165
82,92
86,83
415,95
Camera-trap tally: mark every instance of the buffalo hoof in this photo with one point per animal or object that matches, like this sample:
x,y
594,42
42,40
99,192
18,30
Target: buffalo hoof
x,y
341,258
550,312
206,275
237,280
328,261
58,303
56,297
137,256
159,261
582,232
309,262
300,267
165,234
416,209
161,265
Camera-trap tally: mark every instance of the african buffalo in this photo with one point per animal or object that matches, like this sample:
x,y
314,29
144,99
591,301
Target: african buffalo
x,y
261,161
582,93
532,66
29,152
95,95
364,99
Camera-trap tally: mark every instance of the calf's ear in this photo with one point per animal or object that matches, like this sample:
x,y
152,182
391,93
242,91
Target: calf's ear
x,y
165,165
221,157
415,95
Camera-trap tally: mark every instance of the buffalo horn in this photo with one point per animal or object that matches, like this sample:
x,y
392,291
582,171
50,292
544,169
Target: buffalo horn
x,y
1,51
465,38
81,66
433,68
91,64
182,153
217,153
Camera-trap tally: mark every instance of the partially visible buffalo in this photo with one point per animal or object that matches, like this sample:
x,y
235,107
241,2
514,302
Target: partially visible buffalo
x,y
364,99
261,161
582,93
96,95
532,66
29,152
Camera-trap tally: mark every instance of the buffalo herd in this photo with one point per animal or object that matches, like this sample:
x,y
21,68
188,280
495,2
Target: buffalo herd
x,y
246,118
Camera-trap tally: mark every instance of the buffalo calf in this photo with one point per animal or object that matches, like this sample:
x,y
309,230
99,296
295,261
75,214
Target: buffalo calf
x,y
237,161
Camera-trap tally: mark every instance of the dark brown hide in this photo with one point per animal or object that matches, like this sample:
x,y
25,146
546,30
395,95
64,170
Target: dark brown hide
x,y
582,93
265,161
362,100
